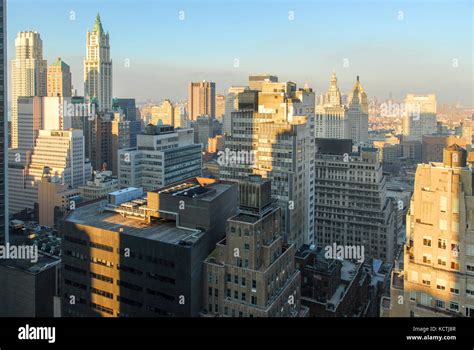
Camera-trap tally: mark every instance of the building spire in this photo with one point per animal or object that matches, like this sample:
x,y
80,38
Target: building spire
x,y
98,24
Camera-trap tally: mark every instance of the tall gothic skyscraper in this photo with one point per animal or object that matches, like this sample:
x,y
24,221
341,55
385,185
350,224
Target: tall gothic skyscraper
x,y
358,114
98,67
29,71
331,115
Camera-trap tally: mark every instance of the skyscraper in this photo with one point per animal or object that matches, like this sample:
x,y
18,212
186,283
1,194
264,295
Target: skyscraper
x,y
29,71
60,150
419,116
3,128
252,272
277,142
163,155
201,99
331,119
98,67
351,203
168,234
59,79
358,114
437,275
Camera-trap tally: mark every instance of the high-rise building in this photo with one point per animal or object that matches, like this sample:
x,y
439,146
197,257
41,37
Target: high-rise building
x,y
29,72
127,107
180,116
419,116
144,256
252,273
59,81
201,99
256,81
437,275
163,155
98,68
331,119
351,203
220,106
358,114
62,151
163,114
277,142
4,129
231,105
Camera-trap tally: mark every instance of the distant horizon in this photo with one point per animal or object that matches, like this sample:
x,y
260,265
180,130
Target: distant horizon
x,y
397,48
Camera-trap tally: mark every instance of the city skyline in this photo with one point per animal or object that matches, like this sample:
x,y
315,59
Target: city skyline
x,y
397,35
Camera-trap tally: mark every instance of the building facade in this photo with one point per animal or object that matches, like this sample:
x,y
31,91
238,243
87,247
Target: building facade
x,y
98,68
201,99
252,273
59,81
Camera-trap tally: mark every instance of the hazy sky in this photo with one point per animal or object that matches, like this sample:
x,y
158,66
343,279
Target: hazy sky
x,y
394,46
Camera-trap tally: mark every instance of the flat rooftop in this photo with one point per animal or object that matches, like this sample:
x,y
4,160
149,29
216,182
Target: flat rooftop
x,y
163,231
44,262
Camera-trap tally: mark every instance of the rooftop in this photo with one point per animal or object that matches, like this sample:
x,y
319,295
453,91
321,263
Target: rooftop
x,y
164,231
44,262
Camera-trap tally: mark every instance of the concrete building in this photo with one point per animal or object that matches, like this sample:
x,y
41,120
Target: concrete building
x,y
435,275
201,99
144,257
163,155
252,273
102,184
277,142
29,288
28,74
59,81
332,287
351,203
128,108
180,116
55,199
432,146
358,114
220,106
98,68
256,81
163,114
62,151
231,105
419,117
331,120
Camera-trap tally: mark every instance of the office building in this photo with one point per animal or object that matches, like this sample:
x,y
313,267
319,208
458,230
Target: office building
x,y
163,155
29,288
332,287
435,275
59,83
331,120
29,72
256,81
277,142
252,273
144,257
62,151
419,117
351,203
128,108
98,68
358,114
102,184
432,146
201,99
55,199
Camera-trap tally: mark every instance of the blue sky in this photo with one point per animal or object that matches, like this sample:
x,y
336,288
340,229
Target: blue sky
x,y
415,54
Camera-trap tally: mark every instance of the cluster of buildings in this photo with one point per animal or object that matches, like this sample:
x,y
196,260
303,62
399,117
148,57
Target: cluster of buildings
x,y
269,201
